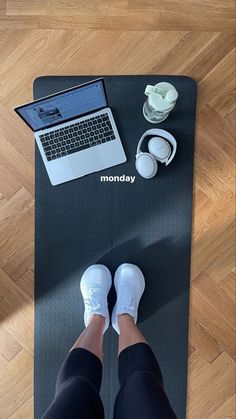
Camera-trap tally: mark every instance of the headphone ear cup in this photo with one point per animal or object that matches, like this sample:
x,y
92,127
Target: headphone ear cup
x,y
159,148
146,165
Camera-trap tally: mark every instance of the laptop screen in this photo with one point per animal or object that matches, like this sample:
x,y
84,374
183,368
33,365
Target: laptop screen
x,y
63,106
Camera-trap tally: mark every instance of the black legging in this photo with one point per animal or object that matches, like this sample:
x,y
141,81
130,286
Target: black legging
x,y
141,395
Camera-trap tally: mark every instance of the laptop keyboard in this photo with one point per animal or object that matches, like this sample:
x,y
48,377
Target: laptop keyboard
x,y
77,137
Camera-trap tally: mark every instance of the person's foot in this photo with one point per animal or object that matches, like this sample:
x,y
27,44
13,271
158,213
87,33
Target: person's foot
x,y
95,285
129,284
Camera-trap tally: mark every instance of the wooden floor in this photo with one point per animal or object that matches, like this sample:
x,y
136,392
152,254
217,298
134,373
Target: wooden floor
x,y
191,37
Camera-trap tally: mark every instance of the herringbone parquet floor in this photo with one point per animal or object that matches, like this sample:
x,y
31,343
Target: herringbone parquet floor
x,y
188,37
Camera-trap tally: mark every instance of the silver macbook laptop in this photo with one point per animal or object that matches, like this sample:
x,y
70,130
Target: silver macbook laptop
x,y
75,131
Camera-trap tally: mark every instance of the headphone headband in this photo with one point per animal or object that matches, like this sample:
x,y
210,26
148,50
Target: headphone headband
x,y
161,133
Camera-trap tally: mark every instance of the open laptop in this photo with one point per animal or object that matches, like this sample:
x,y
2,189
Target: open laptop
x,y
75,131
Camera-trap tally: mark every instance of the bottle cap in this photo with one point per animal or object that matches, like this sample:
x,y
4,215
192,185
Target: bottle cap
x,y
162,96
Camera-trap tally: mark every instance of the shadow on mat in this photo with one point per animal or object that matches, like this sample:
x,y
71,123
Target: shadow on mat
x,y
159,262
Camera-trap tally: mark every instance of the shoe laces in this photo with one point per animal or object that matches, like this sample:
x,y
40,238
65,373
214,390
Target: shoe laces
x,y
127,299
93,301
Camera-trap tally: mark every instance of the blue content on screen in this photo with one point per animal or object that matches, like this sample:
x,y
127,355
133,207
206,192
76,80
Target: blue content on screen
x,y
66,105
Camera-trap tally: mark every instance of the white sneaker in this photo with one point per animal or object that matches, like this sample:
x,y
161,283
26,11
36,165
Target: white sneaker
x,y
129,284
95,285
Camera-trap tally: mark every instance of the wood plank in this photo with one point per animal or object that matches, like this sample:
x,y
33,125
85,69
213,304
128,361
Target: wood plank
x,y
26,410
213,159
26,283
216,298
227,410
221,43
20,203
17,133
205,345
187,50
220,267
15,236
17,395
192,55
2,8
217,380
185,18
14,371
196,364
209,211
3,361
11,158
67,8
228,285
16,388
9,183
17,312
216,235
230,123
212,320
9,346
222,134
15,297
78,47
213,87
21,260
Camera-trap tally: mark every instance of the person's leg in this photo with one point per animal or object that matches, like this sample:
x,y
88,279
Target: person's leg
x,y
85,356
129,332
79,379
141,394
77,389
92,336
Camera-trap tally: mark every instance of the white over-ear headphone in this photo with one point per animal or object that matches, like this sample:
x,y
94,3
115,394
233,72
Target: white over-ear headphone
x,y
159,150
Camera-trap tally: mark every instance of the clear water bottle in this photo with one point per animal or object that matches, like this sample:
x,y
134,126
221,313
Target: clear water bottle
x,y
161,99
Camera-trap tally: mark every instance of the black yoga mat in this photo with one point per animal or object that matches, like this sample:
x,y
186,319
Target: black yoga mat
x,y
148,223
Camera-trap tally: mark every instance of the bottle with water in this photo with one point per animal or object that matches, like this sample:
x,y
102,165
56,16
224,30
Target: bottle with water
x,y
161,99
